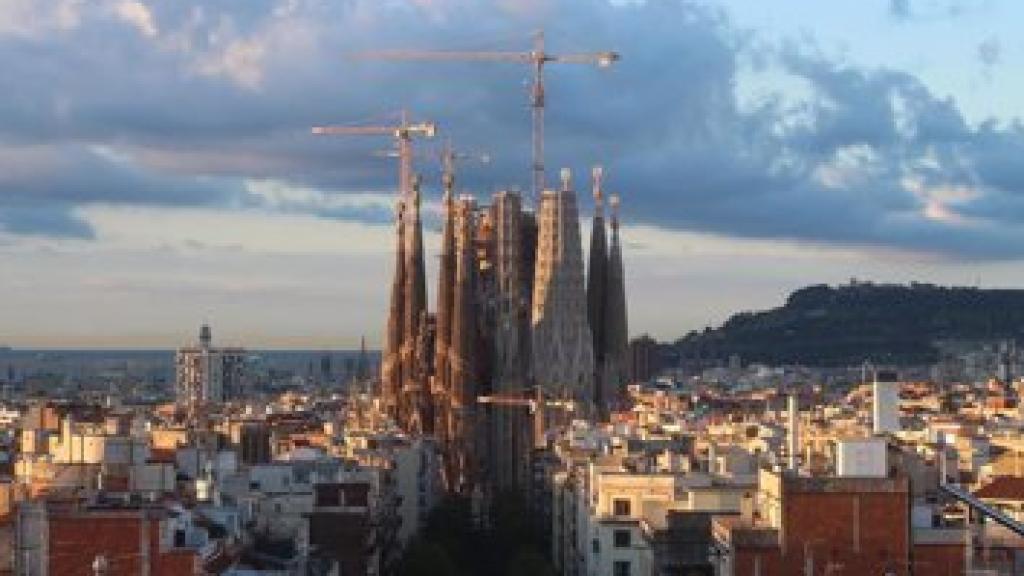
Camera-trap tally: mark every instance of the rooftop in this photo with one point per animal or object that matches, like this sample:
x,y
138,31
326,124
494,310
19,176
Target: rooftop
x,y
1002,488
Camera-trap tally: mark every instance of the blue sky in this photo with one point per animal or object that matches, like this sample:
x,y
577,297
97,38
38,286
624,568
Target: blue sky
x,y
156,168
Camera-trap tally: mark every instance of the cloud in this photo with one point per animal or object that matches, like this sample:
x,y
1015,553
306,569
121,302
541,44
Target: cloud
x,y
43,220
210,103
138,15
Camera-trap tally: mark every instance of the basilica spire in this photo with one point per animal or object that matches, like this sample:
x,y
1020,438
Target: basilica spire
x,y
391,362
597,278
616,341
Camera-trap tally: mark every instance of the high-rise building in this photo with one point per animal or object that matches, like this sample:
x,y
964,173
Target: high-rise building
x,y
644,362
562,344
208,375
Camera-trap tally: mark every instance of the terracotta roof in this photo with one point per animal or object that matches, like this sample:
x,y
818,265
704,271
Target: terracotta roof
x,y
162,455
1002,488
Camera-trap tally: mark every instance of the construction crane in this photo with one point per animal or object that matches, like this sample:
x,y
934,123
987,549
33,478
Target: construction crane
x,y
447,156
403,133
537,405
537,58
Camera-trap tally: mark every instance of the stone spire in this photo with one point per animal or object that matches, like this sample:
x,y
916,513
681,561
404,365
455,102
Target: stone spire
x,y
391,361
462,351
508,428
414,311
445,299
597,279
562,346
616,342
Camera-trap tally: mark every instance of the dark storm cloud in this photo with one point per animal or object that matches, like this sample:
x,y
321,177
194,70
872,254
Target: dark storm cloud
x,y
225,91
43,220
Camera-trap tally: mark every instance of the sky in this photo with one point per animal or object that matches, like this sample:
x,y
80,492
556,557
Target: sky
x,y
157,169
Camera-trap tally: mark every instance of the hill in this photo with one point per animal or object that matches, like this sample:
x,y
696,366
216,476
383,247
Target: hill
x,y
844,325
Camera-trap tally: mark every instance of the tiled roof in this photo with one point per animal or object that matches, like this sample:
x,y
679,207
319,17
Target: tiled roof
x,y
1002,488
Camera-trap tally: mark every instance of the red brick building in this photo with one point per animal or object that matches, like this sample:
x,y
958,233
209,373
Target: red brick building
x,y
832,526
65,539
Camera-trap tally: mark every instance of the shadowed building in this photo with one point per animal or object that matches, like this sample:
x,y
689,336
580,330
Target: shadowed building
x,y
463,432
614,364
597,282
606,305
511,243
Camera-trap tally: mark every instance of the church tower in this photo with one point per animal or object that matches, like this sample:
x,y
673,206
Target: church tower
x,y
562,347
391,361
616,329
597,281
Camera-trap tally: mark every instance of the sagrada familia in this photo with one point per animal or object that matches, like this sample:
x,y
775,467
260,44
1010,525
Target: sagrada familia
x,y
515,319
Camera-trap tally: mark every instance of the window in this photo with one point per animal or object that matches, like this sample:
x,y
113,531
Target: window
x,y
621,568
620,507
622,538
596,545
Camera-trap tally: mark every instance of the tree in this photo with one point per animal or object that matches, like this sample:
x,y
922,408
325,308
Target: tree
x,y
425,558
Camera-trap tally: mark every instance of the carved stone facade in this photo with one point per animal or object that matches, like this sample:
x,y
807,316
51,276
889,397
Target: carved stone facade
x,y
606,306
512,315
563,355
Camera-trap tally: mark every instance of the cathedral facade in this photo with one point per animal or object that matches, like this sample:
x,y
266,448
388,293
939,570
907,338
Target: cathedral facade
x,y
514,312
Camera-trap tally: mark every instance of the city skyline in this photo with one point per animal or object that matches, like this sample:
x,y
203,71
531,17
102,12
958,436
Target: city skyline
x,y
140,196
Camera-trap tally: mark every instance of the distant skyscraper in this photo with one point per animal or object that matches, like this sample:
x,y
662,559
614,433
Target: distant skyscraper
x,y
562,346
206,375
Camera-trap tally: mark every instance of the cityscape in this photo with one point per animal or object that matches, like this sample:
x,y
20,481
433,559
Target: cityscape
x,y
511,287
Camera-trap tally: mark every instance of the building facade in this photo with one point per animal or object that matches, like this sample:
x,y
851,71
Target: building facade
x,y
206,375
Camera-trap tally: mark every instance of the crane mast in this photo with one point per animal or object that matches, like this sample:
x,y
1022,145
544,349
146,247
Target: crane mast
x,y
537,58
402,133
